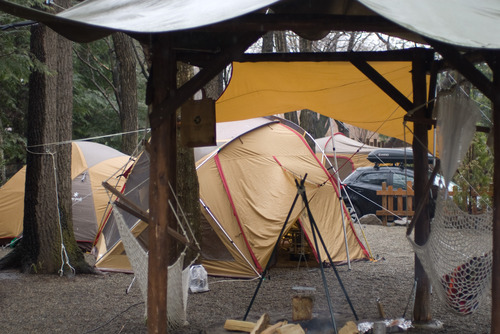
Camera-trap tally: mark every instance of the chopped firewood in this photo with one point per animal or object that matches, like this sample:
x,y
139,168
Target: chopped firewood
x,y
239,325
302,308
261,324
290,329
349,328
272,329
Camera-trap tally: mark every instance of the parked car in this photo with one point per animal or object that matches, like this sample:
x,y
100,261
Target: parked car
x,y
359,189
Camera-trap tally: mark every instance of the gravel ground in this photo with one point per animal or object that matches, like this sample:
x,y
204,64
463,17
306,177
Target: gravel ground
x,y
99,304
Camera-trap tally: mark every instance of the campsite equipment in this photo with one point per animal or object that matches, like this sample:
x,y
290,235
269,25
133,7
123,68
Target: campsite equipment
x,y
91,164
258,160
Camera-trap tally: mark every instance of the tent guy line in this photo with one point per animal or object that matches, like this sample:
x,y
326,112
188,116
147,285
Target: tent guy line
x,y
146,130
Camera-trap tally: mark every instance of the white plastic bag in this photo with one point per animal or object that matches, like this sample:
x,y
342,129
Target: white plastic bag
x,y
198,280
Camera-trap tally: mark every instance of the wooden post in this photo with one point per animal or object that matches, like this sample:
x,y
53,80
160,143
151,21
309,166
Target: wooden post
x,y
495,275
422,311
162,152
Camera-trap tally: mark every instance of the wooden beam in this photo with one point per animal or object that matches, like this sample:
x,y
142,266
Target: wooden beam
x,y
465,67
495,274
382,83
128,206
162,151
422,310
223,59
200,57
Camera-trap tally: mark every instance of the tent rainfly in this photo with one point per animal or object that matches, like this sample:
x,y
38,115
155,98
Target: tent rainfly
x,y
91,164
247,187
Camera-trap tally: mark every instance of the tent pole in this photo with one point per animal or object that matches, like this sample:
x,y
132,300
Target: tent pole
x,y
339,196
495,274
228,237
273,252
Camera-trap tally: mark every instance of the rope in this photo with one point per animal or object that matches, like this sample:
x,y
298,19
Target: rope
x,y
116,316
89,138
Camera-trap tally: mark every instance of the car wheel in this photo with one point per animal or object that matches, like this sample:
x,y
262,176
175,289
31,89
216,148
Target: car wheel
x,y
354,212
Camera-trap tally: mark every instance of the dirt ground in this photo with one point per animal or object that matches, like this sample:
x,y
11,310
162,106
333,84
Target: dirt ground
x,y
100,304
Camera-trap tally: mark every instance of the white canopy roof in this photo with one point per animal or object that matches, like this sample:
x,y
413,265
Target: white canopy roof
x,y
467,23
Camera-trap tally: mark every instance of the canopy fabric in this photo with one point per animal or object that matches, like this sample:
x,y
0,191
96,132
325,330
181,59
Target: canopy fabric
x,y
159,15
334,89
94,19
464,23
460,22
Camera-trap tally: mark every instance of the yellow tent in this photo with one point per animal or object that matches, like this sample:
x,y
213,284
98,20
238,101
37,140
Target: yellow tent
x,y
91,164
247,189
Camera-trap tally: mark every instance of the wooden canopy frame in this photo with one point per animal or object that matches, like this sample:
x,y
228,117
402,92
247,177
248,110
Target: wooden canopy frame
x,y
168,98
215,46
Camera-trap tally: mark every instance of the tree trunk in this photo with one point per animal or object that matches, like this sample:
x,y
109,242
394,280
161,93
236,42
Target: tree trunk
x,y
3,178
64,125
47,204
187,180
125,81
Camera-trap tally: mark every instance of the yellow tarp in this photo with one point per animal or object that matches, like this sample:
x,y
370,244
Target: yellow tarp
x,y
334,89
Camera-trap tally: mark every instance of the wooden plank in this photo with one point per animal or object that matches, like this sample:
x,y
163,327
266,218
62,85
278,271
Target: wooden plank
x,y
272,329
465,67
422,310
162,83
302,308
382,83
261,324
126,205
290,329
495,274
239,325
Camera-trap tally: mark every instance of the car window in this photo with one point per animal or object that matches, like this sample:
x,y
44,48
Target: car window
x,y
375,178
399,180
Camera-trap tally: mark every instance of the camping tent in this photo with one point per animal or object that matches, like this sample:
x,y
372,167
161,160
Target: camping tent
x,y
247,189
350,153
91,164
270,139
110,251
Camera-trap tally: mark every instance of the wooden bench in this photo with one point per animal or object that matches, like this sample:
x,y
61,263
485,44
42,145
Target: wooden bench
x,y
388,194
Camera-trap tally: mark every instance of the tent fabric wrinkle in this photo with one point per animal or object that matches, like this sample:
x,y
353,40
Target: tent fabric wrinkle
x,y
235,211
152,16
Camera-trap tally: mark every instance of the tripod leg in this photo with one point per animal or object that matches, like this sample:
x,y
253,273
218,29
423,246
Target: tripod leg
x,y
264,273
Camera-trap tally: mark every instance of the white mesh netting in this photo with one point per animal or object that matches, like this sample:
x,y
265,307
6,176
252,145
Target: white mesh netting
x,y
457,257
178,279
